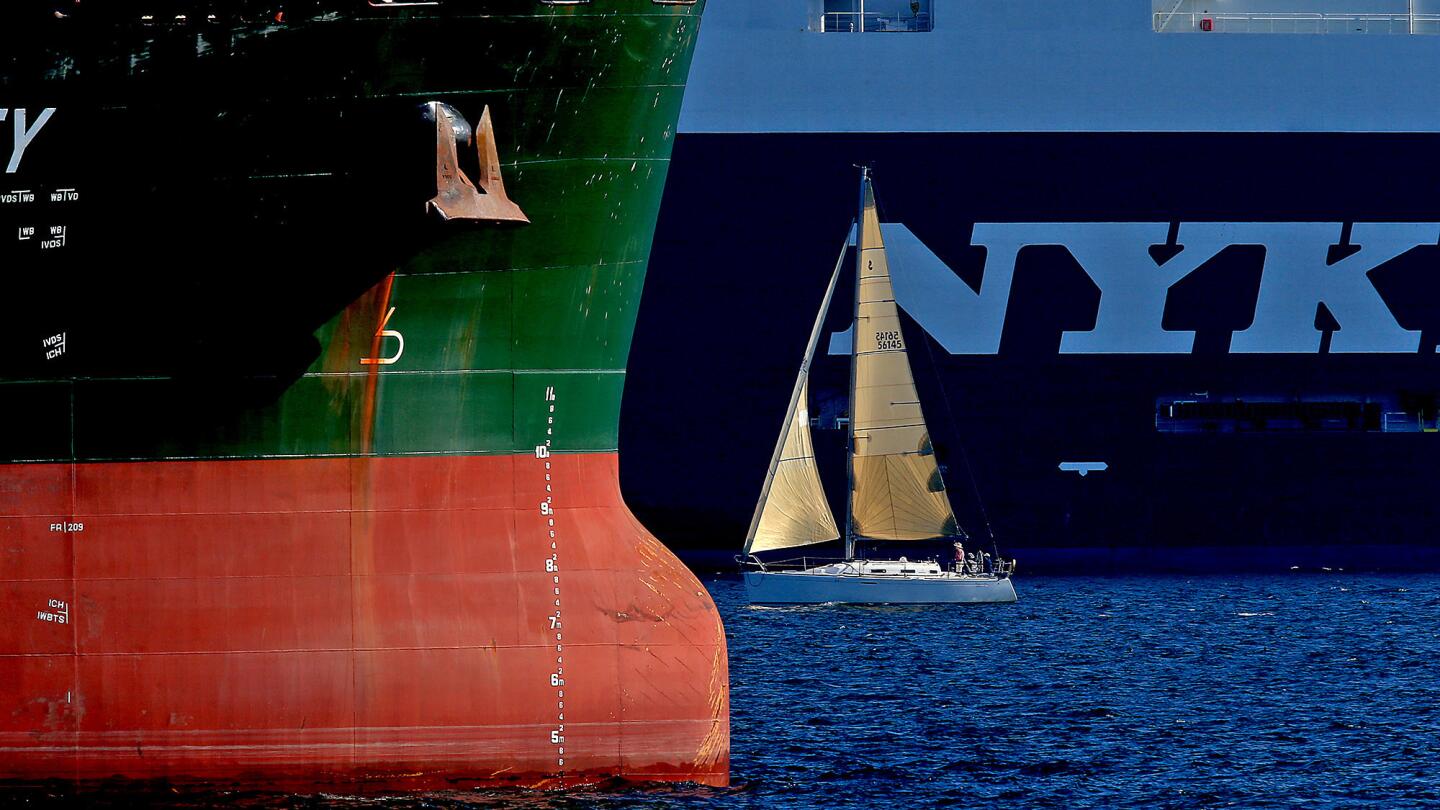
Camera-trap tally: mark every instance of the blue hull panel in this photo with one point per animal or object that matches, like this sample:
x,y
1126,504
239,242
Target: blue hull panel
x,y
1263,393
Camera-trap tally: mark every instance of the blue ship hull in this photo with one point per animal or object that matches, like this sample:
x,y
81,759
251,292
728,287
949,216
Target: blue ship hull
x,y
1260,395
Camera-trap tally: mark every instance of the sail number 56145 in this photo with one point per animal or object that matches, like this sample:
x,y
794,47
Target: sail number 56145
x,y
889,340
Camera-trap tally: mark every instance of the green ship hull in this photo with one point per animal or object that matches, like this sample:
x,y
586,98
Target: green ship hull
x,y
319,446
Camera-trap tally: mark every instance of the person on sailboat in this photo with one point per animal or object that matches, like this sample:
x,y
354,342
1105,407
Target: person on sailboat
x,y
959,555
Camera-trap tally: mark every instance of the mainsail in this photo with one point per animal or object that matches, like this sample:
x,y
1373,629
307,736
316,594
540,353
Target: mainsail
x,y
792,510
896,489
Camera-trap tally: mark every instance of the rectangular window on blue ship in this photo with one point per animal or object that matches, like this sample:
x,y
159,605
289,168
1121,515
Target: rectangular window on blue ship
x,y
856,16
1329,415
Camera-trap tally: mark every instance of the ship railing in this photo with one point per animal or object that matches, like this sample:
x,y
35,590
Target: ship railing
x,y
854,22
1401,422
792,564
1296,23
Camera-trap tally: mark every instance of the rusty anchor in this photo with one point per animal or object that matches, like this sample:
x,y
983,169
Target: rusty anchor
x,y
456,195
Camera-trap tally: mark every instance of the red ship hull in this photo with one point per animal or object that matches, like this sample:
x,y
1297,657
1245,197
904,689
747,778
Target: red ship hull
x,y
401,622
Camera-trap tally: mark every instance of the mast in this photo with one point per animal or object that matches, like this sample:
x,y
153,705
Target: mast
x,y
797,394
854,342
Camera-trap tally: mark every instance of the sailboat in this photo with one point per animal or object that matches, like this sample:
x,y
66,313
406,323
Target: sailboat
x,y
896,492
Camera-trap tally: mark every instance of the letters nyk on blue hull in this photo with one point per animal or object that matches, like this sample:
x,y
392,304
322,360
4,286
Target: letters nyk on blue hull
x,y
1262,284
24,131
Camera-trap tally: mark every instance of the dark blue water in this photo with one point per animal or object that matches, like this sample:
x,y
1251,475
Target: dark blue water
x,y
1288,691
1158,692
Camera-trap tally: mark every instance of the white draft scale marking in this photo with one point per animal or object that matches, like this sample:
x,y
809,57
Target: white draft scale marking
x,y
552,568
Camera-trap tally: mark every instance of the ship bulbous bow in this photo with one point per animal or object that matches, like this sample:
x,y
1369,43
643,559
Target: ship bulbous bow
x,y
318,480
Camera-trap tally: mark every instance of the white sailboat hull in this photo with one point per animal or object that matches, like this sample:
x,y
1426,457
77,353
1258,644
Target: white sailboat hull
x,y
816,586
